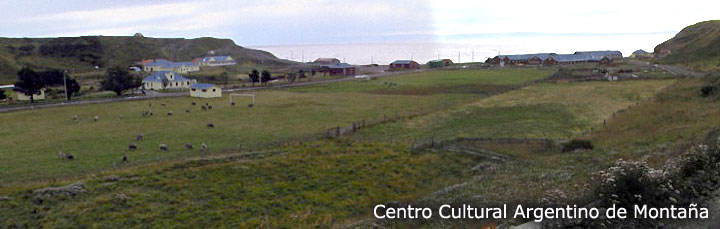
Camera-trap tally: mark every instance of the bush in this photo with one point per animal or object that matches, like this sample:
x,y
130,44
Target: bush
x,y
633,182
708,90
577,144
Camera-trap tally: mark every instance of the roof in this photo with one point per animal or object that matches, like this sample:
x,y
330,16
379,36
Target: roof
x,y
202,86
640,52
327,60
341,65
601,53
402,62
578,57
9,86
160,76
440,60
169,64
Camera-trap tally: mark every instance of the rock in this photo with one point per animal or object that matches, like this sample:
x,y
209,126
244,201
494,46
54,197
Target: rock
x,y
121,196
5,198
112,178
71,190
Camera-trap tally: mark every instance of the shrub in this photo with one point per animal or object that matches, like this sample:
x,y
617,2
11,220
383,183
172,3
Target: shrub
x,y
633,182
708,90
577,144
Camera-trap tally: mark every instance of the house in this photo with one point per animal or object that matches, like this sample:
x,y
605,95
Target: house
x,y
341,69
204,90
403,65
214,61
166,80
327,61
609,54
158,65
40,95
439,63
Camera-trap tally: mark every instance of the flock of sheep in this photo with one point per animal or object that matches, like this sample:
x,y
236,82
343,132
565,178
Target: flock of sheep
x,y
140,136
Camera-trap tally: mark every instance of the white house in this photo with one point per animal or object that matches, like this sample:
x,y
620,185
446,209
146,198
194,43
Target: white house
x,y
215,61
204,90
166,80
159,65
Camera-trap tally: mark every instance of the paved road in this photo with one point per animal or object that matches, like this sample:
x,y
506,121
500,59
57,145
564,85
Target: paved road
x,y
177,94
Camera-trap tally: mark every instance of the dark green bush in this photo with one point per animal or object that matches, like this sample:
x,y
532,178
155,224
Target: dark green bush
x,y
577,144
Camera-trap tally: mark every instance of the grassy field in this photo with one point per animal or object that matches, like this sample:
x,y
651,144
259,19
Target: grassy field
x,y
321,183
547,110
336,182
32,138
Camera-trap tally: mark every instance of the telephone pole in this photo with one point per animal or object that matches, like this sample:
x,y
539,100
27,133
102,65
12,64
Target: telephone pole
x,y
67,98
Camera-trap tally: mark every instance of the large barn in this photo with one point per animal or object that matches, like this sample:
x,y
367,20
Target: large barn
x,y
404,64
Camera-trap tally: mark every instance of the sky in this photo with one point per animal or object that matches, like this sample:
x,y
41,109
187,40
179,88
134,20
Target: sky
x,y
304,22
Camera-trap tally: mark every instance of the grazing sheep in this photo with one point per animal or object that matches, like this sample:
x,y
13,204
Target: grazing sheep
x,y
204,107
188,146
193,103
163,147
209,107
139,137
132,146
170,113
203,147
75,118
210,125
232,103
187,111
122,116
144,113
162,104
61,155
151,113
69,156
96,118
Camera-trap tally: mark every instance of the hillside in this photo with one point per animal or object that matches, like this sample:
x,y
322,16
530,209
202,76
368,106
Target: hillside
x,y
83,53
697,45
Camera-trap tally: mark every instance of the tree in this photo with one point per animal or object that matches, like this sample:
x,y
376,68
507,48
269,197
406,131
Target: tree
x,y
29,83
224,78
2,95
73,87
266,76
118,80
254,76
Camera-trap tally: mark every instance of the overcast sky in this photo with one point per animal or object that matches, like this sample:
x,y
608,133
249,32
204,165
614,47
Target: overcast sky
x,y
274,22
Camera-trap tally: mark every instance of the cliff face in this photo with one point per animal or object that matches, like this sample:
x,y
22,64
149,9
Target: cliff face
x,y
90,51
695,44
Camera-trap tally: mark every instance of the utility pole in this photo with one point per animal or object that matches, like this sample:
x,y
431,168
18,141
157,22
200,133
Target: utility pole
x,y
473,56
302,53
67,98
458,57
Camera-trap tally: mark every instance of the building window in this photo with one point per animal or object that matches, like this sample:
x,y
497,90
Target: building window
x,y
204,90
213,89
193,89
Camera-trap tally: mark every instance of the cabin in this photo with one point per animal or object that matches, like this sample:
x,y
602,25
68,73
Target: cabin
x,y
159,65
166,80
342,69
439,63
404,65
214,61
204,90
327,61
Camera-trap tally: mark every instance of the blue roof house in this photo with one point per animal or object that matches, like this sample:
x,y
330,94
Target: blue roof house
x,y
166,80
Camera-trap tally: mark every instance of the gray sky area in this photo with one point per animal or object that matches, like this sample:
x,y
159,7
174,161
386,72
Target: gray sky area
x,y
273,22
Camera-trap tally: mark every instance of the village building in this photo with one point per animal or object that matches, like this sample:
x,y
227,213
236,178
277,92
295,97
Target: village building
x,y
166,80
343,69
439,63
601,57
158,65
214,61
608,54
641,54
204,90
327,61
404,65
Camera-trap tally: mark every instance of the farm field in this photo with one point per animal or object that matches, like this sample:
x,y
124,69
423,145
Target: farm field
x,y
33,138
546,110
335,181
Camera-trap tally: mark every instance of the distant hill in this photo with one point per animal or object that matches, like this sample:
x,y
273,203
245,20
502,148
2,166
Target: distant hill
x,y
697,45
89,51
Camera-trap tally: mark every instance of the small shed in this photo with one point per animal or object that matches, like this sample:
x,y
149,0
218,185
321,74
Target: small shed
x,y
205,90
404,64
343,69
439,63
